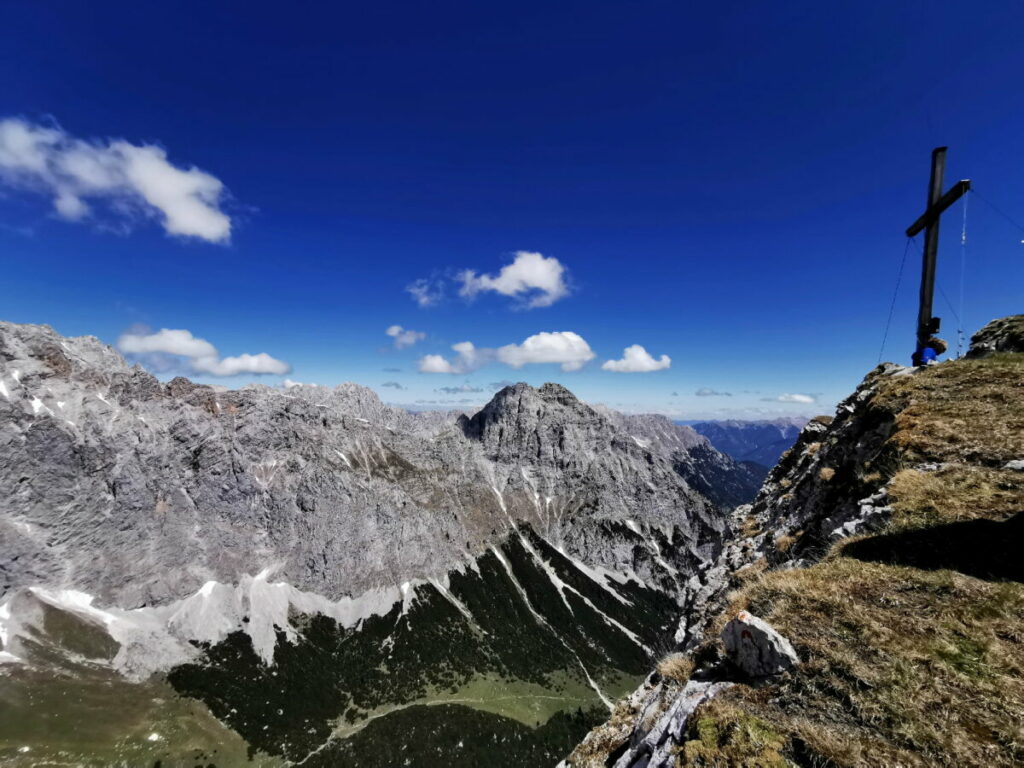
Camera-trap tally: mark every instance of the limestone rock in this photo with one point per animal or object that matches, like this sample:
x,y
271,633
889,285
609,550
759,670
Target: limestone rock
x,y
754,646
1003,335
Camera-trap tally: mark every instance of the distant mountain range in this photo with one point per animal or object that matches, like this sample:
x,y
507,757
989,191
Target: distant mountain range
x,y
762,442
431,589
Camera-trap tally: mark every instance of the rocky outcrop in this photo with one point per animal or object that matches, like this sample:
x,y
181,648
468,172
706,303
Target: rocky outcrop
x,y
1003,335
755,648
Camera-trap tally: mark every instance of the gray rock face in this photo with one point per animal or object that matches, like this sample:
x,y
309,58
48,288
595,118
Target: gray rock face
x,y
756,649
140,492
723,479
659,747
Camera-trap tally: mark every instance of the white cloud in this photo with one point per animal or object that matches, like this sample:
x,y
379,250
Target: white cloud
x,y
180,342
564,347
288,383
130,177
200,354
404,337
795,397
244,363
426,292
539,280
468,358
636,359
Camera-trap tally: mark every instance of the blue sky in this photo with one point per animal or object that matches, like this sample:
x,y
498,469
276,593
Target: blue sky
x,y
725,186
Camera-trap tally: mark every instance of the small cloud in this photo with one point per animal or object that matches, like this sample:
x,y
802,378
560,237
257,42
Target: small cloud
x,y
288,383
468,358
200,354
636,359
795,397
537,280
461,389
674,394
392,370
707,392
404,337
426,292
566,348
392,385
132,179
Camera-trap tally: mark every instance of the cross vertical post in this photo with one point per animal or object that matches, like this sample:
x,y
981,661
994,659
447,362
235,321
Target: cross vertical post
x,y
927,325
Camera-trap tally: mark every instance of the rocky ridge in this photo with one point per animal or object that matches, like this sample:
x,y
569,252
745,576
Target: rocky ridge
x,y
910,454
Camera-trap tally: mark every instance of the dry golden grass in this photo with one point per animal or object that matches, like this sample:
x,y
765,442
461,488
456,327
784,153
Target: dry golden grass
x,y
785,543
954,494
901,666
964,410
750,527
676,666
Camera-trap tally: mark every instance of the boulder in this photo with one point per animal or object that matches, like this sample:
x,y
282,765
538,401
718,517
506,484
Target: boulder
x,y
754,646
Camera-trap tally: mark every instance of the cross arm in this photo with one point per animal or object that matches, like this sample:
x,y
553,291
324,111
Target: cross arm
x,y
955,193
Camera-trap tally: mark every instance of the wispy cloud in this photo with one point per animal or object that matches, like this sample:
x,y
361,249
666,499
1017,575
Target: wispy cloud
x,y
708,392
792,397
636,359
392,385
537,280
459,390
404,337
132,179
426,292
200,355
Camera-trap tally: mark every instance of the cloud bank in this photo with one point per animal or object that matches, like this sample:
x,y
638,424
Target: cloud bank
x,y
708,392
200,354
130,178
636,359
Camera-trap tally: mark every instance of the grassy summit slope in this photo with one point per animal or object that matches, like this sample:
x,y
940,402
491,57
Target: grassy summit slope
x,y
911,631
913,637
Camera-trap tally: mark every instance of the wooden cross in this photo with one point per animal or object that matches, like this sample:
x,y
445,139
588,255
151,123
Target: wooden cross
x,y
929,222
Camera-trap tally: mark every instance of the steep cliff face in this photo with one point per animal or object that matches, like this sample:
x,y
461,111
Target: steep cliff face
x,y
326,578
885,546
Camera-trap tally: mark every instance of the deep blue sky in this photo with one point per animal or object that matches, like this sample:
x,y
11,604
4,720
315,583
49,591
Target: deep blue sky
x,y
726,184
